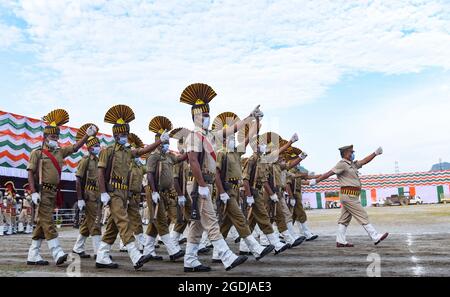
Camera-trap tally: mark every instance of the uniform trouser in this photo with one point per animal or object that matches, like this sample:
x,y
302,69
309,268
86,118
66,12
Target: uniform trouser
x,y
25,216
160,224
299,213
1,216
351,207
285,209
118,221
134,215
208,220
181,226
280,212
259,214
234,216
91,223
9,218
45,226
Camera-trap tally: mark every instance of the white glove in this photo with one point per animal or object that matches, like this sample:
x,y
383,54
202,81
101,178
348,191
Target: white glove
x,y
5,202
155,197
274,198
181,201
303,155
224,197
36,198
104,197
91,131
292,202
250,200
294,138
165,137
203,191
81,204
379,151
312,182
257,113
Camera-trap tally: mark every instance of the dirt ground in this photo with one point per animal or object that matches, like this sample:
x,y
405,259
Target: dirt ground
x,y
418,245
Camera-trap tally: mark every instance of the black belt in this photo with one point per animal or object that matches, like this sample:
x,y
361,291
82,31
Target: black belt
x,y
49,187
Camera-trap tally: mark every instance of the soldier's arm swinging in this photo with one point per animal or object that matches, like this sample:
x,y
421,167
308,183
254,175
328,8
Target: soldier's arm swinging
x,y
101,180
268,188
147,149
78,188
247,191
177,186
195,168
218,181
80,143
31,181
289,190
151,181
293,163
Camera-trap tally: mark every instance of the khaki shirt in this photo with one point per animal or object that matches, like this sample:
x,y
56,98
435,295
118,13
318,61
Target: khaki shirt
x,y
49,173
347,173
194,144
92,171
121,161
277,175
166,165
262,170
136,176
234,167
295,182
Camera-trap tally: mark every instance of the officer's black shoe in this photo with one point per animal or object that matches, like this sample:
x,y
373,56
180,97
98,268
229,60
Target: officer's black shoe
x,y
177,255
82,255
140,263
199,268
61,259
285,247
312,237
40,262
245,253
149,257
109,266
237,262
237,240
265,252
298,241
203,251
182,241
216,261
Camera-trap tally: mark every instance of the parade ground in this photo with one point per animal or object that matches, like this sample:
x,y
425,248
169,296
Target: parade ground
x,y
418,245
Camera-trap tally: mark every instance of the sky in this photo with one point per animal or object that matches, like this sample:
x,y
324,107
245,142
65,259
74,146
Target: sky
x,y
368,73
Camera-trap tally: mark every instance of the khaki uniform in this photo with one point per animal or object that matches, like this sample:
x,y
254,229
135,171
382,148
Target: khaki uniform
x,y
208,219
45,226
182,172
299,213
118,222
91,224
233,176
10,209
259,212
161,166
136,176
348,176
282,210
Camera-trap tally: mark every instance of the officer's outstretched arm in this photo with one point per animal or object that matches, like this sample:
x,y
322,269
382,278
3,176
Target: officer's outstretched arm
x,y
324,176
31,181
101,180
367,159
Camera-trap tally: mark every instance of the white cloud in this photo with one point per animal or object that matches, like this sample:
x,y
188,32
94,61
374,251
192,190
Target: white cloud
x,y
276,53
9,36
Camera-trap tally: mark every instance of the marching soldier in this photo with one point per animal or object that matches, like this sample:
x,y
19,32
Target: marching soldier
x,y
181,174
88,194
295,181
161,184
26,210
276,202
256,180
347,174
202,160
113,168
137,172
44,175
228,178
10,206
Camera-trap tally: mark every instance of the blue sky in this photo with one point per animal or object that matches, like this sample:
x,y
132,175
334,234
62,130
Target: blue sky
x,y
371,73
